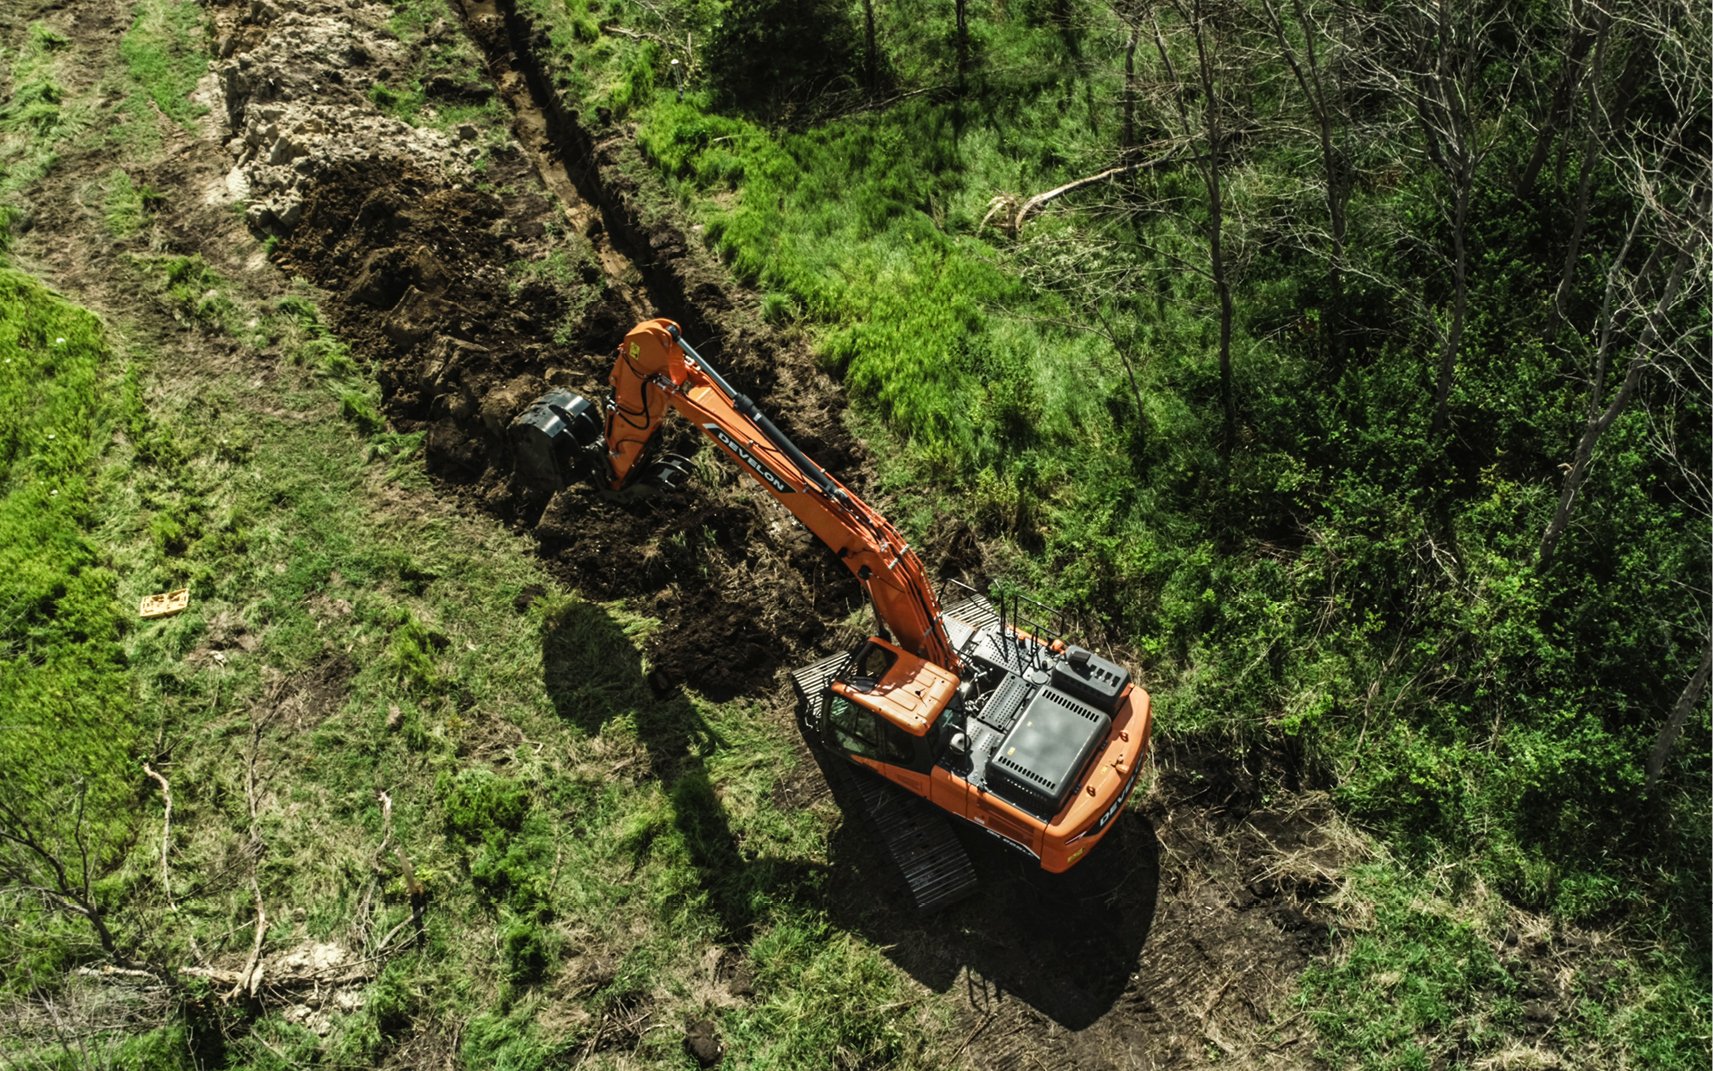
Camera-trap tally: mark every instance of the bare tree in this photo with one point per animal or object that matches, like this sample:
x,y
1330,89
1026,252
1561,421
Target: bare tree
x,y
961,12
1659,274
1127,131
1584,26
1673,727
1199,108
870,50
1442,59
1604,117
1619,291
1303,41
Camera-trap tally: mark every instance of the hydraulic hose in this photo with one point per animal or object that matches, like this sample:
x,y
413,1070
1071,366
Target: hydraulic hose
x,y
745,405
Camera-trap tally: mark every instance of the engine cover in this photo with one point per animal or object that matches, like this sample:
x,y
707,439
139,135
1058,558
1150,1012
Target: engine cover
x,y
1037,763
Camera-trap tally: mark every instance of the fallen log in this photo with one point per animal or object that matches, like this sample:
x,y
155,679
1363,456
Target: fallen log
x,y
1021,211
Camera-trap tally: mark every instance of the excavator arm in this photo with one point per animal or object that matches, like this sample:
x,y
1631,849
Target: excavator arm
x,y
962,712
656,369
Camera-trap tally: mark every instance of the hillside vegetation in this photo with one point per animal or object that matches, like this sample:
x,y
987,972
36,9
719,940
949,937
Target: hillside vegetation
x,y
1365,395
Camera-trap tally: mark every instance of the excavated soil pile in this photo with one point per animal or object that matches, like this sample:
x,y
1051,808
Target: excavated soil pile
x,y
418,264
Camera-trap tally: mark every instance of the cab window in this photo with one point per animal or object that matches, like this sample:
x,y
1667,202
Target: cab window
x,y
867,669
854,728
862,732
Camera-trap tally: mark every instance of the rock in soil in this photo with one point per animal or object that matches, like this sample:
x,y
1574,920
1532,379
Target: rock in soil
x,y
703,1042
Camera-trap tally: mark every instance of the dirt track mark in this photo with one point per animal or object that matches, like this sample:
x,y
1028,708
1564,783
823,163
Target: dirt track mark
x,y
531,128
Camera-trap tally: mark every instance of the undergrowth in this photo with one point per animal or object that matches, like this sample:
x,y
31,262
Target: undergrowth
x,y
71,721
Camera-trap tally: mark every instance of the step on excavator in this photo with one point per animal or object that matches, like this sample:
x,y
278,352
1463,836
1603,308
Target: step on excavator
x,y
977,710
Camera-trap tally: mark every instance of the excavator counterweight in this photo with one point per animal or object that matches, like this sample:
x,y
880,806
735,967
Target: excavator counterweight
x,y
957,711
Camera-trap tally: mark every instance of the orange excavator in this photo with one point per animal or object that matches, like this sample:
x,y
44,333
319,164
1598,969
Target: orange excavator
x,y
974,710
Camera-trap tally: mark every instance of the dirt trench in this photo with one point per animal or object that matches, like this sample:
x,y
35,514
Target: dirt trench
x,y
419,258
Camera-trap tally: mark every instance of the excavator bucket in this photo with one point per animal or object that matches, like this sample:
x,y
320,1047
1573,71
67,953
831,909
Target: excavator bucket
x,y
557,441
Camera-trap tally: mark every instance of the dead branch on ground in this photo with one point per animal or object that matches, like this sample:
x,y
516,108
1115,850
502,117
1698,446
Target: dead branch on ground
x,y
166,832
249,980
1014,213
33,866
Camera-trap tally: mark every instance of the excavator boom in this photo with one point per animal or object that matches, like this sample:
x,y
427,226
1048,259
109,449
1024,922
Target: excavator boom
x,y
656,369
957,712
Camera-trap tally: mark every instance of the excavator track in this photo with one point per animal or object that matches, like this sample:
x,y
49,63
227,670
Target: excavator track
x,y
917,836
919,839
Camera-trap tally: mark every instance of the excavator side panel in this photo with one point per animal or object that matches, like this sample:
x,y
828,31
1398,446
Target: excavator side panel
x,y
948,791
910,780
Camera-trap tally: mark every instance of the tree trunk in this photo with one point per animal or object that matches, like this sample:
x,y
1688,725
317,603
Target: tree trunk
x,y
871,58
1563,92
962,9
1628,83
1459,311
1222,287
1216,224
1579,224
1309,80
1673,727
1597,425
1129,135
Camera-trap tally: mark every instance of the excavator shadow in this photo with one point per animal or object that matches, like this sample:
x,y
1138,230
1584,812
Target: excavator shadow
x,y
594,676
1064,944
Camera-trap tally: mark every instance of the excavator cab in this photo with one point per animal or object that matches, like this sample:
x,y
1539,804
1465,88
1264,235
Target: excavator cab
x,y
884,703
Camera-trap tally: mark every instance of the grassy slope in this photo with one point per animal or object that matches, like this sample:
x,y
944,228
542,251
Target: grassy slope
x,y
349,634
1399,684
70,722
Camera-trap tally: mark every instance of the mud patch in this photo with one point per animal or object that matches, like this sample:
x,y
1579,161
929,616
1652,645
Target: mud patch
x,y
429,276
309,698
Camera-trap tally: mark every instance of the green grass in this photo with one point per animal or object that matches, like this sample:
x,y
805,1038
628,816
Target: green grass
x,y
72,719
165,54
1442,978
827,998
126,205
585,844
444,87
582,843
34,119
195,293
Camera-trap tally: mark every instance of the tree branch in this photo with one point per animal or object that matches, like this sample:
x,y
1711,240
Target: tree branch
x,y
1673,726
166,832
